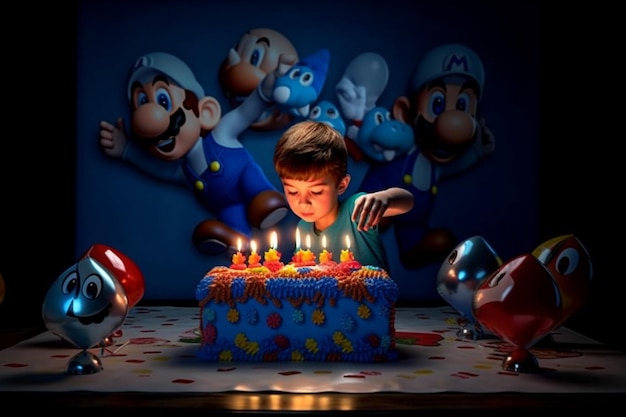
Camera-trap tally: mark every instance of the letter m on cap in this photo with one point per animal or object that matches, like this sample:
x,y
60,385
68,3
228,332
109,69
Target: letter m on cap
x,y
455,63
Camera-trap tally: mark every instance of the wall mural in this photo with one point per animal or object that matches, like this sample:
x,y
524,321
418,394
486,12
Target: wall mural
x,y
180,104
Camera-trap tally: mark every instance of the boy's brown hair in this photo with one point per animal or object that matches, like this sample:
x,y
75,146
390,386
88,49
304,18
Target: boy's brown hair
x,y
308,150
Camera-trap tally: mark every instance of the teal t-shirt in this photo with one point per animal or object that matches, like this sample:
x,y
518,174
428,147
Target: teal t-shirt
x,y
367,247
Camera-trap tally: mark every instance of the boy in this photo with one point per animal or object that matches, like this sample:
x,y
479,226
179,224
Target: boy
x,y
311,159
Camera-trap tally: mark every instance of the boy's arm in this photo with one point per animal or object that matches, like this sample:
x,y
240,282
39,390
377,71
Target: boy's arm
x,y
400,201
370,208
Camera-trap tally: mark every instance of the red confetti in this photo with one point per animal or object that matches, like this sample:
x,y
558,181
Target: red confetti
x,y
183,381
288,373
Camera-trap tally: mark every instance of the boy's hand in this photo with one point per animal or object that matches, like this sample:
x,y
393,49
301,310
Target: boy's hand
x,y
369,210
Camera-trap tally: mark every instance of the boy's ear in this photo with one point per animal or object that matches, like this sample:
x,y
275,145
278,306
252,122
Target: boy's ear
x,y
343,184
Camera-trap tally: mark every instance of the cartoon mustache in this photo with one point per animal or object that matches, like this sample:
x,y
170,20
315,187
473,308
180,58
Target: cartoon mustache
x,y
177,120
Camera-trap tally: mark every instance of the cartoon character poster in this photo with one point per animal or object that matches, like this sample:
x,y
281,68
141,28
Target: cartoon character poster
x,y
440,98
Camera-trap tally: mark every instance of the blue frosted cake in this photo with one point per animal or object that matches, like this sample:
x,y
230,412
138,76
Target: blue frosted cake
x,y
335,312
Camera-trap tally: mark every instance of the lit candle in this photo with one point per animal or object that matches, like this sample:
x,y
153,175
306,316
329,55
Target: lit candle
x,y
346,255
325,256
272,256
347,258
297,255
297,239
308,257
254,258
238,258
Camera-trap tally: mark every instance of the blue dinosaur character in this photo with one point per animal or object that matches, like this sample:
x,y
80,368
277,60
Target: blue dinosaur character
x,y
327,112
301,86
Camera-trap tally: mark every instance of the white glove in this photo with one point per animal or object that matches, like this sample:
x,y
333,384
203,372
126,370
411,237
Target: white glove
x,y
352,99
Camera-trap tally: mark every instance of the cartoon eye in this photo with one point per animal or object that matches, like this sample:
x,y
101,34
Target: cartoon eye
x,y
164,99
463,102
495,280
142,98
567,261
294,73
453,257
436,103
306,79
380,118
70,282
315,113
256,57
332,113
92,287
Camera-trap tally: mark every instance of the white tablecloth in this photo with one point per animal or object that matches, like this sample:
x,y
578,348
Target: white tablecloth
x,y
156,352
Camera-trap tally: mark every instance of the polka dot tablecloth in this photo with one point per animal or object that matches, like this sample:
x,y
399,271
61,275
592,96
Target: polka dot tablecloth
x,y
155,351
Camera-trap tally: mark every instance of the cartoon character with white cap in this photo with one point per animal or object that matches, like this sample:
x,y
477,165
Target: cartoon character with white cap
x,y
188,142
441,107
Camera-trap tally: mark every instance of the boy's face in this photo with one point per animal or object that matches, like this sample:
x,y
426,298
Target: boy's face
x,y
315,200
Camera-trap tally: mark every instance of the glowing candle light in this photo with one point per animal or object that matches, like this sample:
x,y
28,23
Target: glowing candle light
x,y
272,256
346,255
254,258
325,256
308,257
297,238
347,258
238,258
297,256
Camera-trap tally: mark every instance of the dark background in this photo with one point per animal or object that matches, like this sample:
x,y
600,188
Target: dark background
x,y
579,160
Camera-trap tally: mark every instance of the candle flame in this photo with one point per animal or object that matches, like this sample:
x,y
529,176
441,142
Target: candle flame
x,y
324,241
238,244
273,240
348,241
253,245
308,241
297,238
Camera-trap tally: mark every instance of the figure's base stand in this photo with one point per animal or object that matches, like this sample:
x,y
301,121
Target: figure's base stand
x,y
470,331
84,363
521,360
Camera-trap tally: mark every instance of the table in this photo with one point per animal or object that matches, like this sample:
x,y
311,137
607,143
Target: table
x,y
152,364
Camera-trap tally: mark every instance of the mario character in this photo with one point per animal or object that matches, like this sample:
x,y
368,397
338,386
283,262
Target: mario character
x,y
180,137
447,140
255,55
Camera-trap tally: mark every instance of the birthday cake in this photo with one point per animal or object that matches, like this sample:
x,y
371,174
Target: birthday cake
x,y
297,312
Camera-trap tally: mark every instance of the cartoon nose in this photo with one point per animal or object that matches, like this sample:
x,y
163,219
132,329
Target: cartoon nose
x,y
455,128
282,94
150,120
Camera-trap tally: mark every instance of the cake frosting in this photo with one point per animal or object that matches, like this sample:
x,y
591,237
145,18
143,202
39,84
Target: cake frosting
x,y
323,312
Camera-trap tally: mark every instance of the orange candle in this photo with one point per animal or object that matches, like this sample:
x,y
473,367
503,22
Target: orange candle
x,y
308,257
297,255
325,256
272,256
346,255
238,258
254,258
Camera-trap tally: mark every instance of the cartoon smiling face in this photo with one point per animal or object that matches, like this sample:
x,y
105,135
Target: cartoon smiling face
x,y
85,304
